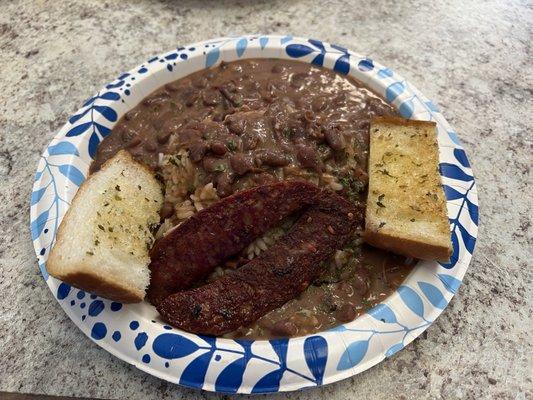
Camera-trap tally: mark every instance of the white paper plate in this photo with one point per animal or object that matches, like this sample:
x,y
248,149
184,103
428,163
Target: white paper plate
x,y
135,334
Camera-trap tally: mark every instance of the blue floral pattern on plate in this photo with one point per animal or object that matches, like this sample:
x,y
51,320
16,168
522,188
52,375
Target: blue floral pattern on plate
x,y
135,334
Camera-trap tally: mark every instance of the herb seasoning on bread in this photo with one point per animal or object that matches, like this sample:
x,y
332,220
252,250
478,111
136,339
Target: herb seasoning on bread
x,y
103,241
406,207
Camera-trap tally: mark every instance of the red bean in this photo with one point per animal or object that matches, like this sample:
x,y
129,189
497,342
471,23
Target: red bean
x,y
229,92
278,69
163,137
308,157
199,83
346,313
235,123
212,164
172,87
211,97
190,97
150,146
166,210
272,158
197,150
218,148
319,104
284,328
334,138
241,163
249,140
298,80
224,184
127,135
134,142
188,135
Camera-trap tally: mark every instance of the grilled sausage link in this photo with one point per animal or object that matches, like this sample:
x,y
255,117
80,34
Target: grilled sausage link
x,y
273,278
191,251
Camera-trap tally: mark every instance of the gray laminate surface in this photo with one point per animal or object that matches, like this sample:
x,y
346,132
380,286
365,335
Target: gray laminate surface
x,y
473,58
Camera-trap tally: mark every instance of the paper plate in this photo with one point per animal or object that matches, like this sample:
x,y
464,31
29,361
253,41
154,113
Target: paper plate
x,y
135,334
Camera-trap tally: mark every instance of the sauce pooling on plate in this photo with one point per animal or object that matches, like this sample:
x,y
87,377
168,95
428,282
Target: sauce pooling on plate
x,y
253,122
339,296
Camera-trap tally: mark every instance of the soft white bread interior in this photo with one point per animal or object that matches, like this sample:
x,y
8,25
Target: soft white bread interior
x,y
406,207
103,241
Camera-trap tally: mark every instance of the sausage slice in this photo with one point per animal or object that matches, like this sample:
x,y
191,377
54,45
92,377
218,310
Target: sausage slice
x,y
273,278
191,251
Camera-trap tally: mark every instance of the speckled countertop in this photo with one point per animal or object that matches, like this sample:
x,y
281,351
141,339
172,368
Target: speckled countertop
x,y
472,58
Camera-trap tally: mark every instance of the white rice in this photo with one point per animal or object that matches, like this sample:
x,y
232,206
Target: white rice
x,y
180,176
164,228
204,196
331,181
341,257
262,243
185,210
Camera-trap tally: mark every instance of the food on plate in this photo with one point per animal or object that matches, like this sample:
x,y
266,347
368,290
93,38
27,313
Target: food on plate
x,y
103,241
406,207
188,253
276,276
351,284
276,130
248,123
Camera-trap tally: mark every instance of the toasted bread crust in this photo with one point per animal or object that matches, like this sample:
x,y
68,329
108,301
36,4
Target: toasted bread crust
x,y
402,121
101,286
407,247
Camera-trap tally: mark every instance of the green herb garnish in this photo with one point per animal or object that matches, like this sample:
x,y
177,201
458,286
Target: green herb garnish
x,y
352,186
175,160
231,145
379,202
288,132
386,172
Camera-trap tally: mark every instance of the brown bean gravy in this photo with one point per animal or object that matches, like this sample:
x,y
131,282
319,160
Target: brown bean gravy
x,y
347,289
252,122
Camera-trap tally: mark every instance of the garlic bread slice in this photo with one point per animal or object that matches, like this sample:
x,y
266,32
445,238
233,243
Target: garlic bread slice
x,y
103,241
406,207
